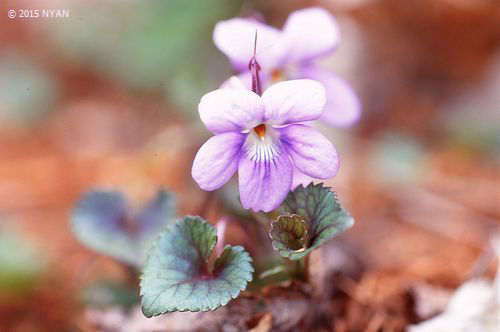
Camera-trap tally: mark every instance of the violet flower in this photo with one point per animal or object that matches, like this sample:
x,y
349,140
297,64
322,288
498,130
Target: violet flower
x,y
308,34
262,137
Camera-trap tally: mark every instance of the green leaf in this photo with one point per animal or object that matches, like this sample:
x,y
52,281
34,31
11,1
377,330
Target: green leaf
x,y
315,205
102,220
289,234
177,275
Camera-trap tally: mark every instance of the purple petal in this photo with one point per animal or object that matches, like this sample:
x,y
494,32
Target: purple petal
x,y
300,178
293,101
265,182
343,107
226,110
310,151
217,160
310,33
235,38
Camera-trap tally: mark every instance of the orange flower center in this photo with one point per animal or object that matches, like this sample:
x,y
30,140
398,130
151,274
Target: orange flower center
x,y
276,75
260,130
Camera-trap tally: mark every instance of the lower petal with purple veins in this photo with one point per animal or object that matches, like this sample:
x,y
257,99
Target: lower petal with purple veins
x,y
265,176
217,160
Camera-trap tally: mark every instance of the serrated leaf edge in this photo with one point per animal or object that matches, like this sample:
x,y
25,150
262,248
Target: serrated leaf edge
x,y
241,250
294,254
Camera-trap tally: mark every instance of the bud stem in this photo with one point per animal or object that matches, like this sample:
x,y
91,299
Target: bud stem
x,y
254,68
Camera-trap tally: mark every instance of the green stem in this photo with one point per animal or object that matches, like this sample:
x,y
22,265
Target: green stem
x,y
301,269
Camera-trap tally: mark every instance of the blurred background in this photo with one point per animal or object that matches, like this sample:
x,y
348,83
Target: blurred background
x,y
108,97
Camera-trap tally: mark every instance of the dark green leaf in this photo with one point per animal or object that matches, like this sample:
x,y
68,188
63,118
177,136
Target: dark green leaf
x,y
289,234
103,222
177,275
322,212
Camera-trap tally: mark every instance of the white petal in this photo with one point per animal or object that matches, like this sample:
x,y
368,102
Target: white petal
x,y
343,107
310,151
235,38
226,110
310,33
293,101
217,160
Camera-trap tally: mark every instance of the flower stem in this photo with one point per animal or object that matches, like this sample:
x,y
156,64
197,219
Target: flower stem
x,y
301,269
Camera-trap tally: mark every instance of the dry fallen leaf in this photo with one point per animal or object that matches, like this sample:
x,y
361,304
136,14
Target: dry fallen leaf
x,y
475,306
265,323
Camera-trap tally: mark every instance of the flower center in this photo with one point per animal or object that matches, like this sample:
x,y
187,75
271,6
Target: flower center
x,y
262,145
276,75
260,130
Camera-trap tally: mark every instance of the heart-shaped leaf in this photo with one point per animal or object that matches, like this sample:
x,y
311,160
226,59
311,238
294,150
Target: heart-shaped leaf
x,y
319,207
177,275
103,222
